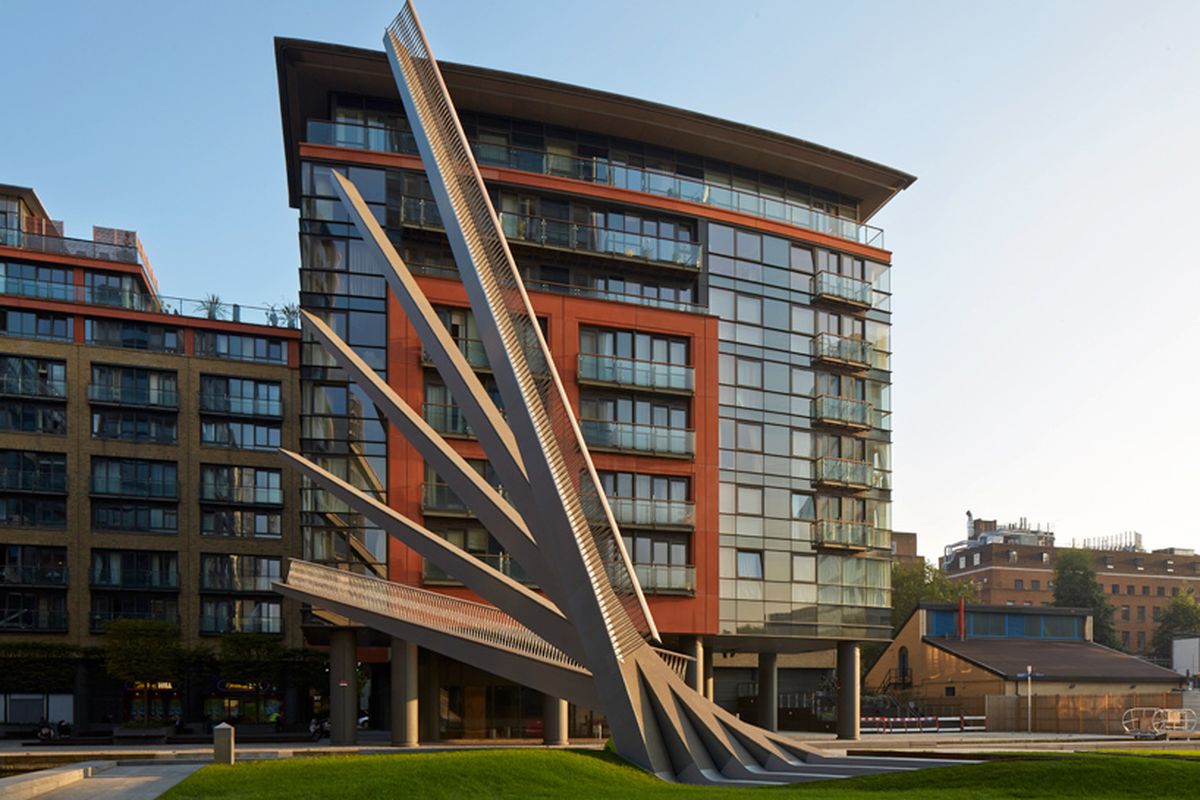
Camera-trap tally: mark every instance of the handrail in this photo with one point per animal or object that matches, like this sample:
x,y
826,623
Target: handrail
x,y
380,138
626,371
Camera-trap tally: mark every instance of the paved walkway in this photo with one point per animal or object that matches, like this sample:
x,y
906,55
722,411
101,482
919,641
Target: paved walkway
x,y
125,783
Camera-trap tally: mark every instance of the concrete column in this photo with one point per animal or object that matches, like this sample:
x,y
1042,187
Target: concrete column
x,y
768,691
404,693
695,671
848,690
343,686
431,699
557,722
709,677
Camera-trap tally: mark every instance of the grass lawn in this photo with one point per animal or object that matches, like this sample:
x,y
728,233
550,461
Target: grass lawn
x,y
590,775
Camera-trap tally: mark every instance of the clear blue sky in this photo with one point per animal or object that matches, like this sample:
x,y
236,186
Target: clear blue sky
x,y
1045,269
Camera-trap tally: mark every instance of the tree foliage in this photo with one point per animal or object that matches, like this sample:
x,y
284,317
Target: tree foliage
x,y
256,658
1182,618
142,651
1076,586
912,583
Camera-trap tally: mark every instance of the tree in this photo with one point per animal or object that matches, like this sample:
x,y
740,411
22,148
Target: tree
x,y
913,583
142,651
1075,586
211,307
1182,618
253,658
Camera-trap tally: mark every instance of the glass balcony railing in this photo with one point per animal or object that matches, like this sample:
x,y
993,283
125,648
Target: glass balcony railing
x,y
133,395
651,296
241,406
100,620
666,578
501,562
471,349
851,535
24,479
610,173
845,472
281,316
842,289
660,439
446,418
653,513
32,575
842,411
439,498
117,486
573,236
621,371
25,619
32,386
135,579
842,350
219,623
66,246
423,213
223,492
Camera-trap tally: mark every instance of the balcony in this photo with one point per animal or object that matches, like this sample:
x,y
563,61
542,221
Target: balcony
x,y
66,246
842,289
280,316
144,396
432,575
31,386
565,235
24,619
620,371
645,512
842,412
850,535
844,473
135,579
666,579
471,349
117,486
32,575
233,494
33,481
217,623
438,498
446,418
98,621
842,351
604,434
610,173
241,406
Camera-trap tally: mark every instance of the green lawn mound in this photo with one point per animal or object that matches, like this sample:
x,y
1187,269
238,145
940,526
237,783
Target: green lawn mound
x,y
590,775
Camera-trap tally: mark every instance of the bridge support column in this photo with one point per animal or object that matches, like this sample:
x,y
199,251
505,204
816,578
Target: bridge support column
x,y
343,686
557,721
695,671
768,691
848,690
404,693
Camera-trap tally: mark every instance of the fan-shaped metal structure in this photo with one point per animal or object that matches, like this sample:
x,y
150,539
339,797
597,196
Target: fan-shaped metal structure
x,y
588,635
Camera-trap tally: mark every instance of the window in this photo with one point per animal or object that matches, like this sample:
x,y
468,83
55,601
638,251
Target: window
x,y
20,416
975,559
131,386
33,377
133,335
134,426
962,562
242,435
244,524
1141,641
1161,591
1129,589
238,573
1125,613
1156,613
250,485
36,325
1116,588
1139,564
1141,614
1045,558
32,280
134,517
949,691
240,396
750,564
242,348
1012,556
1019,585
135,477
1035,585
1146,591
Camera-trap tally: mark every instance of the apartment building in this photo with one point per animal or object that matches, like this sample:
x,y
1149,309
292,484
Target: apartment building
x,y
718,310
138,478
